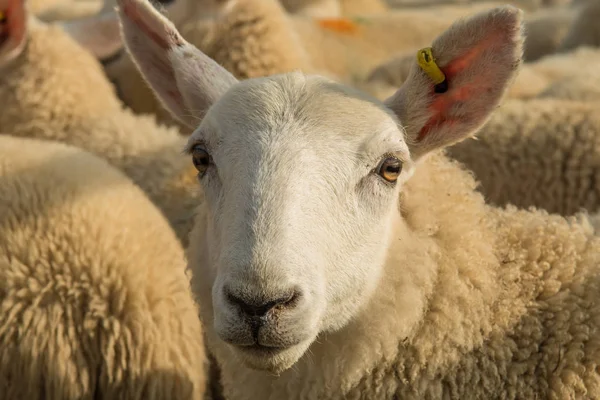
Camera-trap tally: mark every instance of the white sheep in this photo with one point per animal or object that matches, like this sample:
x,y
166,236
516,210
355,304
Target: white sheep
x,y
94,299
339,254
56,90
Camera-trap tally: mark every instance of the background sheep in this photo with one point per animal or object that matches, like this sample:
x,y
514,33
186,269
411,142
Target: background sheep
x,y
55,90
274,42
546,29
546,138
585,29
94,298
440,295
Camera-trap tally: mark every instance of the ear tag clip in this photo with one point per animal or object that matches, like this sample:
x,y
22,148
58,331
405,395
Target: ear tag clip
x,y
2,17
427,63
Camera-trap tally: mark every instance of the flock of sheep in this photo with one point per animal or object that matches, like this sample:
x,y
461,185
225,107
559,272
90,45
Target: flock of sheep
x,y
275,199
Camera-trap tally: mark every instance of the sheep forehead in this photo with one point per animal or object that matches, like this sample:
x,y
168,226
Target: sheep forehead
x,y
284,113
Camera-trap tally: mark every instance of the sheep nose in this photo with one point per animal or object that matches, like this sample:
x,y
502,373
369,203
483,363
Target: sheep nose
x,y
261,307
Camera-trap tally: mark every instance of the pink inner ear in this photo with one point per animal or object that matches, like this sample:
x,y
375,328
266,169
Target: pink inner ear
x,y
132,10
15,16
442,102
144,19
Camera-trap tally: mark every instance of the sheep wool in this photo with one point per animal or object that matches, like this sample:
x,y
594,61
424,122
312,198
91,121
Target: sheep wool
x,y
375,282
94,299
56,90
555,155
573,75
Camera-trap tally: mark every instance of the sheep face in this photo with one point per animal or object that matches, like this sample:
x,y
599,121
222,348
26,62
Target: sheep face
x,y
301,176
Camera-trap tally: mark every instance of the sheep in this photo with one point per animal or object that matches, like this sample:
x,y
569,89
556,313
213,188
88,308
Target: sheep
x,y
53,89
94,298
340,254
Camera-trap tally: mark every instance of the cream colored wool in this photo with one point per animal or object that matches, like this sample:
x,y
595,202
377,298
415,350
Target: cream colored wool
x,y
56,90
69,10
94,299
595,221
470,301
554,162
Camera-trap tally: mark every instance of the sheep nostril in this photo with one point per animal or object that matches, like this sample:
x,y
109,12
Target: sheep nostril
x,y
257,308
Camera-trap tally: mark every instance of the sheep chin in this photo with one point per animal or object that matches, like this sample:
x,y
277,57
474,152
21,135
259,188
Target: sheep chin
x,y
269,360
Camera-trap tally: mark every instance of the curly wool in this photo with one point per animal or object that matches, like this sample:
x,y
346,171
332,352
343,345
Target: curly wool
x,y
94,298
487,303
57,91
554,162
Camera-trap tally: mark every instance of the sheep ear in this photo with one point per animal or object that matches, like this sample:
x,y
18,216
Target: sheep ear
x,y
479,57
99,34
184,79
13,29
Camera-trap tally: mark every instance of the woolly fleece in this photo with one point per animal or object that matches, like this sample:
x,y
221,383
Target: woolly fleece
x,y
58,91
94,298
554,163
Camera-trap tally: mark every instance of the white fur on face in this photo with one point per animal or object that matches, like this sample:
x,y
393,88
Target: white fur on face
x,y
294,209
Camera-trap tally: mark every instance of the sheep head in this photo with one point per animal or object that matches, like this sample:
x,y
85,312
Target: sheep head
x,y
302,175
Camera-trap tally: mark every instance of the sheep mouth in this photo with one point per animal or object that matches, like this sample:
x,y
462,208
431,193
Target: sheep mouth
x,y
259,349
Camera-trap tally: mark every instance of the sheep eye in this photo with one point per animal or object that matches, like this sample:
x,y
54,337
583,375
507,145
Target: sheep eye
x,y
200,158
390,169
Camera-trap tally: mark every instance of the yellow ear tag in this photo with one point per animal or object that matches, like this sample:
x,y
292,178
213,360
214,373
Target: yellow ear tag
x,y
2,17
427,63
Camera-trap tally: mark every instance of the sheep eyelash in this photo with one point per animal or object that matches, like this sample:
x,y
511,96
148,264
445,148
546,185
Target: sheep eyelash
x,y
188,148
